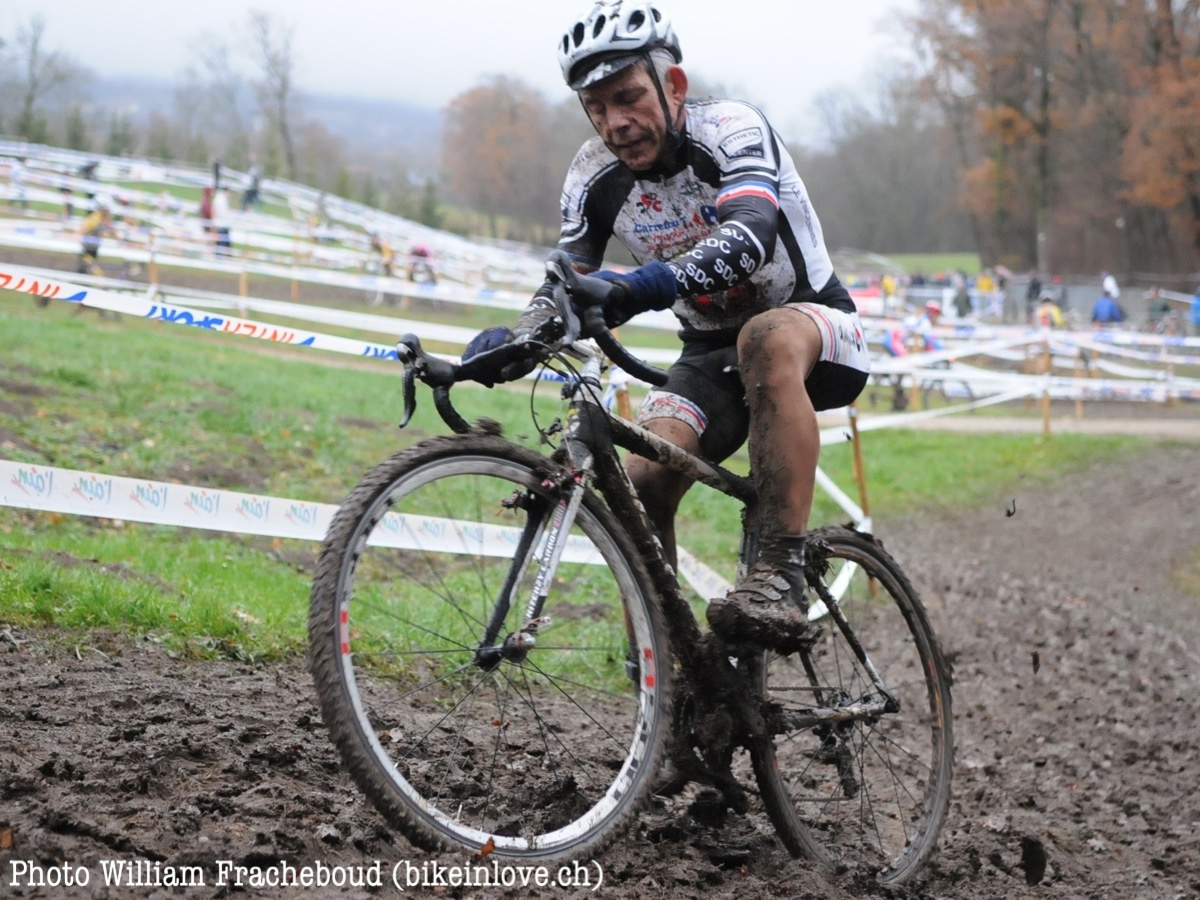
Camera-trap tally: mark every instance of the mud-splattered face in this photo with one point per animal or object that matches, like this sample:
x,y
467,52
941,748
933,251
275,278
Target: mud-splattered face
x,y
626,112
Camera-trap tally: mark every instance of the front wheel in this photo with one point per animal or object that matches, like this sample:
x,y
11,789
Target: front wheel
x,y
867,794
540,746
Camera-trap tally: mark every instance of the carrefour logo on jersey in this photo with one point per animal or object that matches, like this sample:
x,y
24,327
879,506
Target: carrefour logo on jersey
x,y
658,227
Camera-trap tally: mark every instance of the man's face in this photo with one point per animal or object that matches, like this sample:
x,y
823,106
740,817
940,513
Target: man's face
x,y
625,111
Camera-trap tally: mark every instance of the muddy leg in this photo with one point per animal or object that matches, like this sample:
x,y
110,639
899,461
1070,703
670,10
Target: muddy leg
x,y
776,352
660,489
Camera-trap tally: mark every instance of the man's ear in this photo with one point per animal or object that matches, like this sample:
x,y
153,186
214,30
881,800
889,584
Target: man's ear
x,y
677,84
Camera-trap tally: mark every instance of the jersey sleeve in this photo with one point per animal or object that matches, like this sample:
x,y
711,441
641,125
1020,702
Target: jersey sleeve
x,y
747,157
585,216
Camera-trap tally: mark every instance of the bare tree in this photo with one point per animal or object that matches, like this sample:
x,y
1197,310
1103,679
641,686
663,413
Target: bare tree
x,y
272,44
879,179
221,103
40,76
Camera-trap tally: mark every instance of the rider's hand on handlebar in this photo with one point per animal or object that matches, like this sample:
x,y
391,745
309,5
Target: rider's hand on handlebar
x,y
490,339
647,287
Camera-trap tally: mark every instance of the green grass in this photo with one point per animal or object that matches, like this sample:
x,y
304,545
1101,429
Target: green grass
x,y
150,400
929,263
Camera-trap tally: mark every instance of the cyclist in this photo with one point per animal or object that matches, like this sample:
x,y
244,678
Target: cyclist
x,y
94,227
705,196
420,264
383,254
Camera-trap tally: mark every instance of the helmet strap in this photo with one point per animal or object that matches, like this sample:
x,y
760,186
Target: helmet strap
x,y
674,137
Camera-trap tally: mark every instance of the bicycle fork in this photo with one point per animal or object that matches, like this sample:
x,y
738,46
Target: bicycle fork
x,y
549,523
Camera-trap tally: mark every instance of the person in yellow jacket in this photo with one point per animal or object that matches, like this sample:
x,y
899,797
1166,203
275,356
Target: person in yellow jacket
x,y
1048,314
95,226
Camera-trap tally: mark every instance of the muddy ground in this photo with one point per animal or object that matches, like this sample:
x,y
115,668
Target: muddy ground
x,y
1074,634
111,750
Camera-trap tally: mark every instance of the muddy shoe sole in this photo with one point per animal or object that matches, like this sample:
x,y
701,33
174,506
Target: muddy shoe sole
x,y
771,626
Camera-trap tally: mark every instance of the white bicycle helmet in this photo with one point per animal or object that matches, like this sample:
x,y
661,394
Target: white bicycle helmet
x,y
614,35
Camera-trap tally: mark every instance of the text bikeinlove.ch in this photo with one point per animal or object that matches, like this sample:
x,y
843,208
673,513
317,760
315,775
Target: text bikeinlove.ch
x,y
401,876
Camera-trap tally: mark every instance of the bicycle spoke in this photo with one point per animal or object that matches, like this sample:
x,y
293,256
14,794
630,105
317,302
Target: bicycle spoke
x,y
454,743
870,792
574,702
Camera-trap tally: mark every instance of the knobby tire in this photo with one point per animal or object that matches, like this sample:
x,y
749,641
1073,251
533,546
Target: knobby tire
x,y
868,797
545,757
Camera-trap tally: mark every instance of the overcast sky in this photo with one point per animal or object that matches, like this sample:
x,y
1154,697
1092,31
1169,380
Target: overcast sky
x,y
778,53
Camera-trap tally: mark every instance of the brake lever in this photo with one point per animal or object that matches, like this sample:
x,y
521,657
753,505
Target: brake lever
x,y
410,393
559,271
408,350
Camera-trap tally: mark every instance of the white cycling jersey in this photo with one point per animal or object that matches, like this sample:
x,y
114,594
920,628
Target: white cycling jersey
x,y
727,212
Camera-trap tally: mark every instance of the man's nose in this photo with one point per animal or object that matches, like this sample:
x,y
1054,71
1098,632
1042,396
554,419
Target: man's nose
x,y
617,119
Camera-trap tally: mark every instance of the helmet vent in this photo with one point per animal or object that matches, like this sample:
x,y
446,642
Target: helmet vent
x,y
577,33
636,20
599,26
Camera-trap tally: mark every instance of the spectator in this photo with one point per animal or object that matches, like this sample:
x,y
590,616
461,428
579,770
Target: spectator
x,y
1196,313
1158,311
16,178
1033,293
1108,284
1048,313
888,288
963,306
220,221
1106,311
251,197
206,215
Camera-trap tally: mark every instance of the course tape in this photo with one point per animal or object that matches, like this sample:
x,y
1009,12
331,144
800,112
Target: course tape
x,y
14,278
79,493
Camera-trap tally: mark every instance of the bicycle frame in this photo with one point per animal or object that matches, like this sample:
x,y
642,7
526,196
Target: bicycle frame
x,y
588,452
721,683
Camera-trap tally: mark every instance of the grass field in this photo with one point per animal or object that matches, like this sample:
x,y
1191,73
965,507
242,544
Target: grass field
x,y
929,263
150,400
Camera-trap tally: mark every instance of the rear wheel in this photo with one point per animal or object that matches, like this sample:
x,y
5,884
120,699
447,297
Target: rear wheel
x,y
541,751
868,795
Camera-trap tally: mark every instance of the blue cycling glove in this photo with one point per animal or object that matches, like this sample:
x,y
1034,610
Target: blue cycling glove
x,y
490,339
652,286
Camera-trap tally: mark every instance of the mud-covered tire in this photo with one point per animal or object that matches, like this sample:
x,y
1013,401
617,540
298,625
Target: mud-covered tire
x,y
544,758
869,797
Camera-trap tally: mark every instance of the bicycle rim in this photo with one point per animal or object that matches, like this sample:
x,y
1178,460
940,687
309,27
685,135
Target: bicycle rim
x,y
544,756
868,796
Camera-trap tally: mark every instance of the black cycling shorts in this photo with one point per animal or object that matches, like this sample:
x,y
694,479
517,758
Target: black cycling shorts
x,y
704,389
